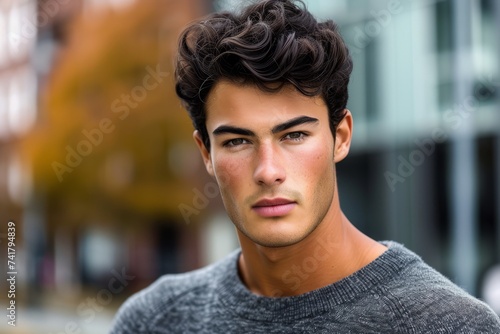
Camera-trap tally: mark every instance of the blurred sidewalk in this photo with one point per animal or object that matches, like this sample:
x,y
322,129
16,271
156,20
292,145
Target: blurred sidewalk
x,y
56,321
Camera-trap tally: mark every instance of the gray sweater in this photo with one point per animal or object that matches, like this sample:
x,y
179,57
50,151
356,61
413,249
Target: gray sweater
x,y
396,293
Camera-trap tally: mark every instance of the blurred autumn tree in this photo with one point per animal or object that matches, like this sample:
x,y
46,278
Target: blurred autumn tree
x,y
113,142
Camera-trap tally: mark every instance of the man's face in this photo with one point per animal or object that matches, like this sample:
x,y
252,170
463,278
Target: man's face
x,y
272,155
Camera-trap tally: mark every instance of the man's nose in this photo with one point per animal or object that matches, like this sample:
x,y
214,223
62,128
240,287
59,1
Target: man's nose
x,y
269,170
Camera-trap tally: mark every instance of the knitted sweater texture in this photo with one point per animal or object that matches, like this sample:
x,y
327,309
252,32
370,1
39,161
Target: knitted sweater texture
x,y
396,293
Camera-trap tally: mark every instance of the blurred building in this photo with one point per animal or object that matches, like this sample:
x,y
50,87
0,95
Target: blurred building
x,y
18,112
32,34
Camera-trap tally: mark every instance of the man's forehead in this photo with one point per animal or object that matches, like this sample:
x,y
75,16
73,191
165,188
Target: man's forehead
x,y
229,91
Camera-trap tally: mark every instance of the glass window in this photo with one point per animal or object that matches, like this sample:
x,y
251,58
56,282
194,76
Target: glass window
x,y
22,100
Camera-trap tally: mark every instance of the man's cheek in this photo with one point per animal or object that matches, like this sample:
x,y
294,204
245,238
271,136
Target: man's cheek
x,y
226,172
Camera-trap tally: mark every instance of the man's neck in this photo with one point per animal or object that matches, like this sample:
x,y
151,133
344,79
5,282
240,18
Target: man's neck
x,y
334,250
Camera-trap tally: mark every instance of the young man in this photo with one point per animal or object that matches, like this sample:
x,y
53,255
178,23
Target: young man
x,y
267,92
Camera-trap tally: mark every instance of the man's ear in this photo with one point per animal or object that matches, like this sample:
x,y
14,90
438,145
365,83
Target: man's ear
x,y
205,154
343,137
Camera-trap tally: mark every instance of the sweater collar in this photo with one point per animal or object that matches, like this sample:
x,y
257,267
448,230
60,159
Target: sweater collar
x,y
238,299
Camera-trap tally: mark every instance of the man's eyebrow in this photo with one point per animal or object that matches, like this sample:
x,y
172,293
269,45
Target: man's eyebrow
x,y
294,122
277,128
232,129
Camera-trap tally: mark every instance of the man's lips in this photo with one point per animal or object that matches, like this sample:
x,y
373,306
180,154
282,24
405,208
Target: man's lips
x,y
274,207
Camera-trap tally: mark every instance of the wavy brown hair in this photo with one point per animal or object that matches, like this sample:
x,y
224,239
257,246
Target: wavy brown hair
x,y
271,43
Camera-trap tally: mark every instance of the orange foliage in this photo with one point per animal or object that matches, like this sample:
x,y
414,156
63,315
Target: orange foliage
x,y
112,138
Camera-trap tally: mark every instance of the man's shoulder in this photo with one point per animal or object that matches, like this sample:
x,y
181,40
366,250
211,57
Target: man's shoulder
x,y
171,292
424,298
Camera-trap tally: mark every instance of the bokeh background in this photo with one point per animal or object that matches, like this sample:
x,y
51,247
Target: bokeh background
x,y
106,188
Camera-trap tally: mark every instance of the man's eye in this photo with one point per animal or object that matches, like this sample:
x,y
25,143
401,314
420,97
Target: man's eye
x,y
235,142
295,136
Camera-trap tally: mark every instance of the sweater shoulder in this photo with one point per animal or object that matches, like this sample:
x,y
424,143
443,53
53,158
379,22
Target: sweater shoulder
x,y
427,301
169,292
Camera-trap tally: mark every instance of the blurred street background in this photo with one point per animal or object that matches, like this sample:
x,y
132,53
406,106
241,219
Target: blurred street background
x,y
106,189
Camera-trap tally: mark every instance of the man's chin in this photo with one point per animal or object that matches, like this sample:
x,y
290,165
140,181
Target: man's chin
x,y
275,239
